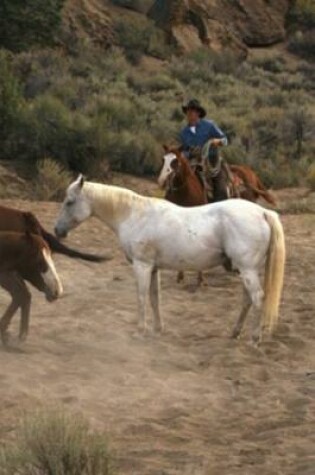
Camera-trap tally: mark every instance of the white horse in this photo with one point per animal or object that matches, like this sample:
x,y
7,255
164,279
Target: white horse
x,y
156,234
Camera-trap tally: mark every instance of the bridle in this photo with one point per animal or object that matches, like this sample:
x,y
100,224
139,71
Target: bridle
x,y
171,181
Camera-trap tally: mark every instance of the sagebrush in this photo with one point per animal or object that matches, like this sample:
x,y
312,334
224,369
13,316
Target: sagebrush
x,y
55,443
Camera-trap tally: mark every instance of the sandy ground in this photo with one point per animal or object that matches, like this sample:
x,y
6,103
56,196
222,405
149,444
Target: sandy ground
x,y
191,402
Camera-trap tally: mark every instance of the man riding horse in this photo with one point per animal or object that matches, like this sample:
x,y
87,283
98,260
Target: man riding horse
x,y
200,140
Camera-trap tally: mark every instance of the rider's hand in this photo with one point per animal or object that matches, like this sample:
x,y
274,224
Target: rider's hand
x,y
216,142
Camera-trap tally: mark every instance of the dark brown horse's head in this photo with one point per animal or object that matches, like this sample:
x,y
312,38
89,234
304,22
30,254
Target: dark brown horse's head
x,y
34,263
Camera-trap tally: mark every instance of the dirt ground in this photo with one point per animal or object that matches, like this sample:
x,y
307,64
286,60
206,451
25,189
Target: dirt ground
x,y
191,402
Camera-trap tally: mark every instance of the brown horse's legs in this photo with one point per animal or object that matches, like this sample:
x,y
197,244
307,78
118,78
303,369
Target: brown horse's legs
x,y
247,303
21,297
6,319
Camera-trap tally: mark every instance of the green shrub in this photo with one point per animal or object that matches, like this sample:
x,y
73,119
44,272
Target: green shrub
x,y
132,153
10,98
297,126
64,136
303,44
54,443
139,36
311,177
302,14
270,63
152,84
234,154
24,24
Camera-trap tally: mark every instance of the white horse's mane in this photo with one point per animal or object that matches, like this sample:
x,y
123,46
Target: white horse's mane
x,y
116,200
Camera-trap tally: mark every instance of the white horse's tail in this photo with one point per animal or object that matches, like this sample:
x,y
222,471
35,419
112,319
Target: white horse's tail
x,y
274,271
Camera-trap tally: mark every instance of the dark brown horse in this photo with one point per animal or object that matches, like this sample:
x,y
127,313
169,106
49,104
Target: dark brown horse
x,y
27,256
235,181
253,188
184,188
13,282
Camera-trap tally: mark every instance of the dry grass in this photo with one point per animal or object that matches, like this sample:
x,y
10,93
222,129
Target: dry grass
x,y
51,181
55,443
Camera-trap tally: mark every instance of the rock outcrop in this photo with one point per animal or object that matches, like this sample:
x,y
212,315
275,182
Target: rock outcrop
x,y
222,24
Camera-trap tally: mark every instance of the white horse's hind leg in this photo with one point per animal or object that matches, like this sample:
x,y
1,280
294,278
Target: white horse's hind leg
x,y
252,284
143,273
247,303
155,301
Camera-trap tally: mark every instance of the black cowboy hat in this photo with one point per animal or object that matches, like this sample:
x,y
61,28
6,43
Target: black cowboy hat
x,y
195,105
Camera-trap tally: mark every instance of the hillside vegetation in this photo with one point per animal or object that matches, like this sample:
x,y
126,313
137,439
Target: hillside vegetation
x,y
94,87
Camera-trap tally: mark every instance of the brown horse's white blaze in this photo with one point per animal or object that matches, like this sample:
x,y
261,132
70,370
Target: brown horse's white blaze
x,y
50,277
169,161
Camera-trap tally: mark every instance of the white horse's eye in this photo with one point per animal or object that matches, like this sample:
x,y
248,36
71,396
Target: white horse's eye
x,y
69,203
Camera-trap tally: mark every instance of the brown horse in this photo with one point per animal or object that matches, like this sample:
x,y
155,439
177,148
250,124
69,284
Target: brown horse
x,y
20,221
13,282
29,257
181,183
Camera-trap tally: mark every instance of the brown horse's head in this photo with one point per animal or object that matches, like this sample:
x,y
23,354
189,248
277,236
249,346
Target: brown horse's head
x,y
35,265
172,164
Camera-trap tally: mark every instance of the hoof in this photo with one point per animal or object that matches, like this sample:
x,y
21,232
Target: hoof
x,y
235,335
256,340
22,337
158,330
143,330
5,338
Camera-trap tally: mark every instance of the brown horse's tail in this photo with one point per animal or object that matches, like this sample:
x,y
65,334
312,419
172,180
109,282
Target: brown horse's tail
x,y
261,190
34,226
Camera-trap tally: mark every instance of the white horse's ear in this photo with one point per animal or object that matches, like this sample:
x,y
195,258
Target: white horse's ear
x,y
77,185
81,180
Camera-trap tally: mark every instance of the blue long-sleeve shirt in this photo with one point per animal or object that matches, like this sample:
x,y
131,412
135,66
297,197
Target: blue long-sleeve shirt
x,y
197,136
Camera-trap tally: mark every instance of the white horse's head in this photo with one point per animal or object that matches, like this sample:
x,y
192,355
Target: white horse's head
x,y
75,209
169,167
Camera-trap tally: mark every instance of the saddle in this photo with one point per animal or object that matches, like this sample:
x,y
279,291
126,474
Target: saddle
x,y
207,173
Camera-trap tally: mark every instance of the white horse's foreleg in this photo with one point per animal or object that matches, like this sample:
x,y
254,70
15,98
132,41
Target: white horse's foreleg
x,y
247,303
252,283
155,301
143,273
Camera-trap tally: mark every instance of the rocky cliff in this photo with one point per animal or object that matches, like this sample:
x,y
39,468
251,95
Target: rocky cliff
x,y
222,24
